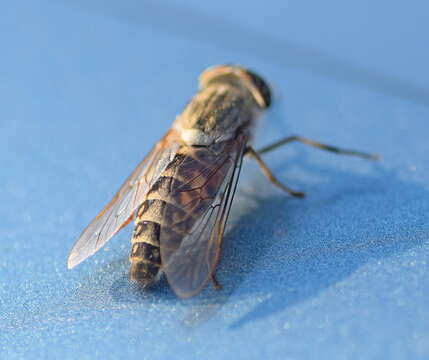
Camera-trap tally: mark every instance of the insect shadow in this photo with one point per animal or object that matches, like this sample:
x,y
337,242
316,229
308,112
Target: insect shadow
x,y
125,291
296,249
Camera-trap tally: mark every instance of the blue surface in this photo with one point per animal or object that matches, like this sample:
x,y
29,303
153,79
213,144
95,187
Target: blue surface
x,y
87,88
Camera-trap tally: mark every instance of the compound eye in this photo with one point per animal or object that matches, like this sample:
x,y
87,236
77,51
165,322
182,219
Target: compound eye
x,y
262,87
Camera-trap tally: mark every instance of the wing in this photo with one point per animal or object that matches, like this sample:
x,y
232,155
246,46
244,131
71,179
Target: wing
x,y
120,210
190,256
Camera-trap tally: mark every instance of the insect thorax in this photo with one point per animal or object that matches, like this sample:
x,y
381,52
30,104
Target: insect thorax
x,y
217,113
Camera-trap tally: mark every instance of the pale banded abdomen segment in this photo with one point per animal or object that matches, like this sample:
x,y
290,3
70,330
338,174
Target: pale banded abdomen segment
x,y
180,196
145,255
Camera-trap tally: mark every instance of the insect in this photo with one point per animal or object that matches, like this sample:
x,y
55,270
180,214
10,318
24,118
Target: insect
x,y
181,193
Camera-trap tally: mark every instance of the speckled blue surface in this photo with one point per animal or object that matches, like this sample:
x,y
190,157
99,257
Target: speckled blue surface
x,y
88,87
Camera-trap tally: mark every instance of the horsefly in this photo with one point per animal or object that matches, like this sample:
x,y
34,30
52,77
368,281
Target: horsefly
x,y
180,194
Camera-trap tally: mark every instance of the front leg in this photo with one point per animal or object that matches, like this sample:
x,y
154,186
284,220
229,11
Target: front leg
x,y
318,145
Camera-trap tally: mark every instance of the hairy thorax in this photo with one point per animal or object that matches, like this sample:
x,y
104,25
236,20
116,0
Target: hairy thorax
x,y
216,113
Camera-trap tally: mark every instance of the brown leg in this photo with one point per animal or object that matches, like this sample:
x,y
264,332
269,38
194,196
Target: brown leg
x,y
216,283
267,172
318,145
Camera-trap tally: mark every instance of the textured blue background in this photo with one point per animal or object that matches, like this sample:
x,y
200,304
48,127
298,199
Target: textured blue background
x,y
86,89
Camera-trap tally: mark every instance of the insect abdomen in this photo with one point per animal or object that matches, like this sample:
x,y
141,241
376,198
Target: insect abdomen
x,y
152,215
181,194
145,254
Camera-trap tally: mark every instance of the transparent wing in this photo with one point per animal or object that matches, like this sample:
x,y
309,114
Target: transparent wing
x,y
190,249
120,210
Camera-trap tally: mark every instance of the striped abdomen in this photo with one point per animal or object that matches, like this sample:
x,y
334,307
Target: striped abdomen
x,y
177,199
145,255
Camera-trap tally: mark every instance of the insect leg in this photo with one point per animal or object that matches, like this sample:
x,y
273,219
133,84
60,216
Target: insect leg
x,y
267,172
318,145
216,283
